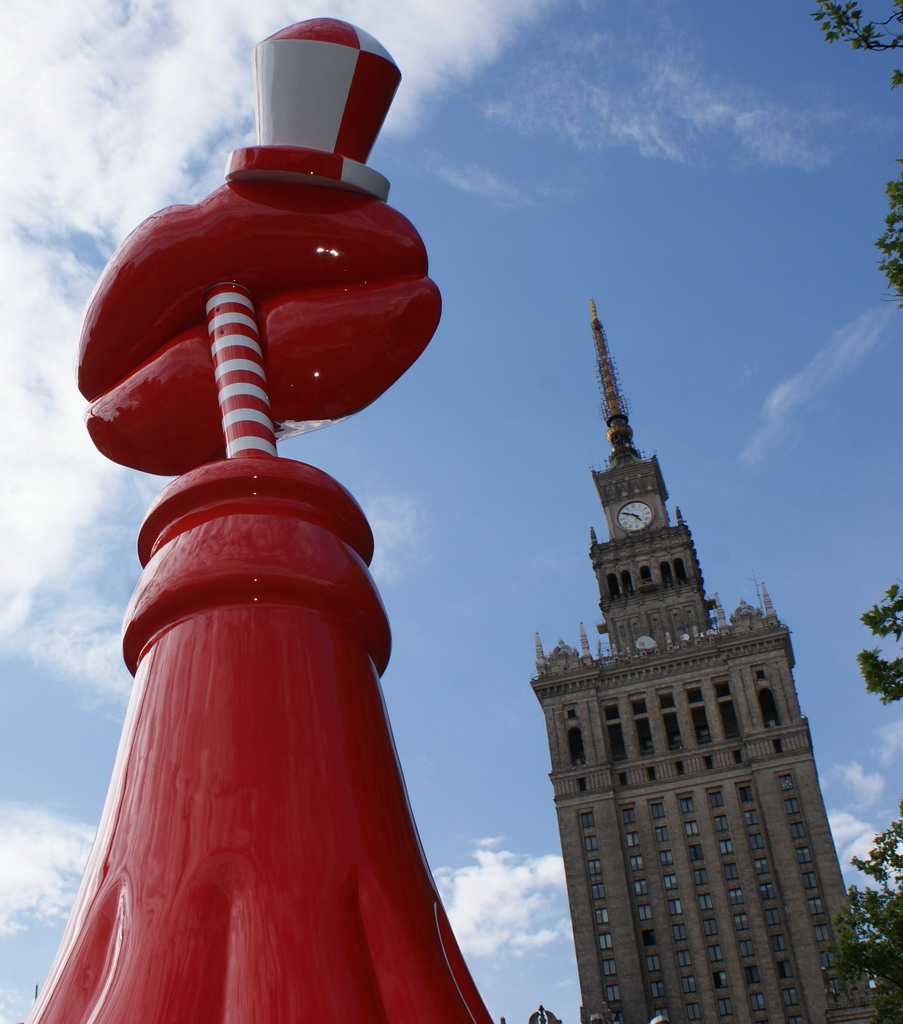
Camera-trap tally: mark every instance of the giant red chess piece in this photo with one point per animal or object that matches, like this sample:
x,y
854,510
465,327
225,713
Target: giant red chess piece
x,y
256,861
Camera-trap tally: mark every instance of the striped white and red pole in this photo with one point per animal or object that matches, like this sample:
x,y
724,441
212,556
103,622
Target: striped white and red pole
x,y
240,376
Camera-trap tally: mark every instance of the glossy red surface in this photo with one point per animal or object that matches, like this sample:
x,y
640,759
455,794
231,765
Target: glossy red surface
x,y
257,861
344,304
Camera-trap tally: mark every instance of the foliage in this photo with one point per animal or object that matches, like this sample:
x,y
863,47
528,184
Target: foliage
x,y
882,676
843,21
870,929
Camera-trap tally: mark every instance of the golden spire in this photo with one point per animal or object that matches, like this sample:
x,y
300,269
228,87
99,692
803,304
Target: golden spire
x,y
614,406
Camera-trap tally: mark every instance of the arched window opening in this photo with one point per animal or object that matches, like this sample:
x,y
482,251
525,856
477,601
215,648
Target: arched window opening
x,y
768,708
667,575
679,571
626,582
614,588
575,745
645,574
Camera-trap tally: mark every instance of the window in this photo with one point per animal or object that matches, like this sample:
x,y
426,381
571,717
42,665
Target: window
x,y
716,799
683,958
760,865
756,842
688,983
612,993
657,810
731,871
686,804
691,828
669,881
648,936
710,926
751,974
822,933
661,833
778,943
665,857
785,781
575,746
639,887
700,877
792,805
674,907
597,891
587,819
639,707
783,969
745,794
672,730
714,953
789,997
826,960
741,922
803,854
605,940
750,818
772,916
695,850
720,822
644,911
632,838
704,901
719,979
757,1000
628,815
678,932
746,947
725,1007
653,962
590,843
766,891
636,862
815,905
594,867
601,915
725,846
656,988
694,1011
666,700
735,896
608,966
611,712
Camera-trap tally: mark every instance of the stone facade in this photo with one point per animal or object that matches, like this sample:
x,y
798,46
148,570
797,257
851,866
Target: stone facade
x,y
701,872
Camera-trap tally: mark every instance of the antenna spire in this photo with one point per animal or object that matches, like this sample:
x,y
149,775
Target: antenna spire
x,y
614,405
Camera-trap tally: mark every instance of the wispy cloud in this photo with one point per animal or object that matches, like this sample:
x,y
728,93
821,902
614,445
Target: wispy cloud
x,y
399,526
480,181
849,346
505,902
852,838
656,98
865,787
13,1006
890,742
41,860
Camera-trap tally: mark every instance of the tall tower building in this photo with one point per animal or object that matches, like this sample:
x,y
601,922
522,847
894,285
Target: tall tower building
x,y
701,872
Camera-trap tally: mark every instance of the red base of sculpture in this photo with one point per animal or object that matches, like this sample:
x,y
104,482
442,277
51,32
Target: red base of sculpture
x,y
257,862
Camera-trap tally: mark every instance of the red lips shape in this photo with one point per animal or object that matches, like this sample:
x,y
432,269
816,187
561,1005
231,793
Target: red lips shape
x,y
343,304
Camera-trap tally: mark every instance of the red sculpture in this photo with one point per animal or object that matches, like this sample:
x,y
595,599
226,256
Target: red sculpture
x,y
257,860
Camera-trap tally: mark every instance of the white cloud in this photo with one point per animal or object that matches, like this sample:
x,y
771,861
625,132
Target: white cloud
x,y
12,1006
849,346
477,180
121,108
865,787
399,528
890,738
41,860
505,902
852,838
653,97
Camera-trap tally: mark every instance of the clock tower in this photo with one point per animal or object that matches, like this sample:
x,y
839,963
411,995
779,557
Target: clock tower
x,y
701,873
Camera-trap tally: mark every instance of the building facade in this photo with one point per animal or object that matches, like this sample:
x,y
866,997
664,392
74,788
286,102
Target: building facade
x,y
701,873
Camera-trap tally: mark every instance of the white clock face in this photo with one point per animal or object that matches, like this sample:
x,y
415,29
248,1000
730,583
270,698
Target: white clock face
x,y
635,515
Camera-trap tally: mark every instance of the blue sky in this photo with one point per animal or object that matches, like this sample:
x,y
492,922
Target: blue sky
x,y
712,174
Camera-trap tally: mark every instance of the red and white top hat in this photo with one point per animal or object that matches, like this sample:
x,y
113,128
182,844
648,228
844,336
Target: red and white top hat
x,y
323,88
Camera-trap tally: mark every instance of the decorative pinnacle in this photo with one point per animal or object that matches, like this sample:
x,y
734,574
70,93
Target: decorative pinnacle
x,y
614,405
